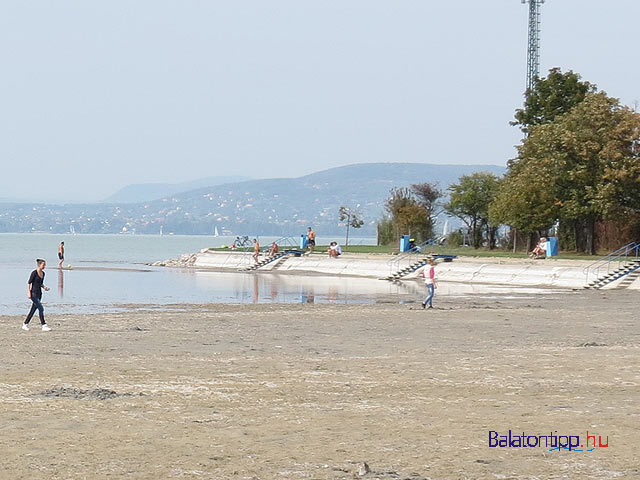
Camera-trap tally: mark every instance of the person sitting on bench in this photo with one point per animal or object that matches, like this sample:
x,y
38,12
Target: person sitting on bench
x,y
334,250
540,250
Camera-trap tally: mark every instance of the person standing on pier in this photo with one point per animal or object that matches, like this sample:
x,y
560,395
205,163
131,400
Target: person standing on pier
x,y
311,240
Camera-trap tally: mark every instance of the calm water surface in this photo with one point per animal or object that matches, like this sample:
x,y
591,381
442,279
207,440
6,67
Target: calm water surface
x,y
109,271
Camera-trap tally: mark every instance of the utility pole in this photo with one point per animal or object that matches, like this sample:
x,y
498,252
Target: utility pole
x,y
533,50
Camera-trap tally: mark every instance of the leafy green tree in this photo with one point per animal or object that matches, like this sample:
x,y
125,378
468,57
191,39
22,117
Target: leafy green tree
x,y
428,196
469,201
581,168
524,200
551,97
407,214
385,231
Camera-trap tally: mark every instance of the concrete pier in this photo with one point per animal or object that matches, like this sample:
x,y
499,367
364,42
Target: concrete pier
x,y
481,270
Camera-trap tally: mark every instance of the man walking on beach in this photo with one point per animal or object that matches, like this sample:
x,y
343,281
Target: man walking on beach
x,y
311,240
60,254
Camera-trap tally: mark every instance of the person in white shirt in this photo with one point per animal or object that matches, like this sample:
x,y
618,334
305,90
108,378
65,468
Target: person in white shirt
x,y
334,250
540,250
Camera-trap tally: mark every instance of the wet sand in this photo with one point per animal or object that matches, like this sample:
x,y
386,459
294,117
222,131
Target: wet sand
x,y
311,391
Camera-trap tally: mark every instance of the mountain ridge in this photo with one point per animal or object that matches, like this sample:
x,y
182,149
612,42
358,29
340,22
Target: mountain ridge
x,y
144,192
277,206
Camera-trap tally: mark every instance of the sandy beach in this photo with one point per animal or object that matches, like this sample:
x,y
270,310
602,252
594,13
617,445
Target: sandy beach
x,y
312,391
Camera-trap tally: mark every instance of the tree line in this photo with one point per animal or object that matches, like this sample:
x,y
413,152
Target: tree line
x,y
577,170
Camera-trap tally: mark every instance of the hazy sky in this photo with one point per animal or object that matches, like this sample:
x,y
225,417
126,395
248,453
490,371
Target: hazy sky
x,y
95,95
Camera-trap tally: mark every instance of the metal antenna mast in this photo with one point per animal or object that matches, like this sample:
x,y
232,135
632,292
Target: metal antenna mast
x,y
533,51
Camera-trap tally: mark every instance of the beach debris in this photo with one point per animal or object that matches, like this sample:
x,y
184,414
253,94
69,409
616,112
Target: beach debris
x,y
77,393
363,469
592,344
340,469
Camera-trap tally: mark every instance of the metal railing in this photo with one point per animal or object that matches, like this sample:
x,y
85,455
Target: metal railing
x,y
612,262
286,245
288,241
394,263
244,244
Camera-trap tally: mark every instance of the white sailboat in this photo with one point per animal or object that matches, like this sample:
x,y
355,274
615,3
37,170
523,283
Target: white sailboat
x,y
215,232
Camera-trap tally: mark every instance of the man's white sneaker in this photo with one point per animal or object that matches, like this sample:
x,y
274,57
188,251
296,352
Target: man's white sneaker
x,y
46,328
24,327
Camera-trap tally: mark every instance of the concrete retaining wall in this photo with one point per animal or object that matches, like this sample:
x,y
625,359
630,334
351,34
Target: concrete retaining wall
x,y
567,274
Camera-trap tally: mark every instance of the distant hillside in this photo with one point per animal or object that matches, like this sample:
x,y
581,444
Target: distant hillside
x,y
281,206
144,192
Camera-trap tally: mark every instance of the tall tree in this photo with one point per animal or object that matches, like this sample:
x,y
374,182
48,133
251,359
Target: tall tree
x,y
469,201
428,195
551,97
407,214
581,168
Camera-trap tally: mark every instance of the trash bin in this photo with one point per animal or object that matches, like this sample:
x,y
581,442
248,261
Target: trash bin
x,y
303,241
552,247
404,243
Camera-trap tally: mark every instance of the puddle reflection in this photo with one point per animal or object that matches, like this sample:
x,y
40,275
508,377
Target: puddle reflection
x,y
265,287
60,283
93,290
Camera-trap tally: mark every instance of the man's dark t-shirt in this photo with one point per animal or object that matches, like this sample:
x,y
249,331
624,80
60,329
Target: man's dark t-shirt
x,y
36,284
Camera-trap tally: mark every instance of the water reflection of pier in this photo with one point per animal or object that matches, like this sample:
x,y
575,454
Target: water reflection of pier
x,y
289,288
278,288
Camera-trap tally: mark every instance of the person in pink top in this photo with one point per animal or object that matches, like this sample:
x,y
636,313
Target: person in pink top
x,y
256,250
429,275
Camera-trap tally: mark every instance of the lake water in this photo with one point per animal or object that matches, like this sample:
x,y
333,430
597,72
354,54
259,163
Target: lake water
x,y
22,249
109,271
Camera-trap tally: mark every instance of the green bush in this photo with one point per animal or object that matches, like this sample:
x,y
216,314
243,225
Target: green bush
x,y
455,239
385,232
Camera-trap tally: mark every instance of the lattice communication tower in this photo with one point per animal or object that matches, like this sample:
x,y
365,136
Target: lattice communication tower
x,y
533,51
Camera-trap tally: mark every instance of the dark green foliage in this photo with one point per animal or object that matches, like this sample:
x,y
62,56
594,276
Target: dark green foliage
x,y
551,97
454,239
385,232
469,201
410,211
407,215
582,168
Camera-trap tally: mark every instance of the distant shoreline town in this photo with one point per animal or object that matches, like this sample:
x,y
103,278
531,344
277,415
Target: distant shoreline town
x,y
272,207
